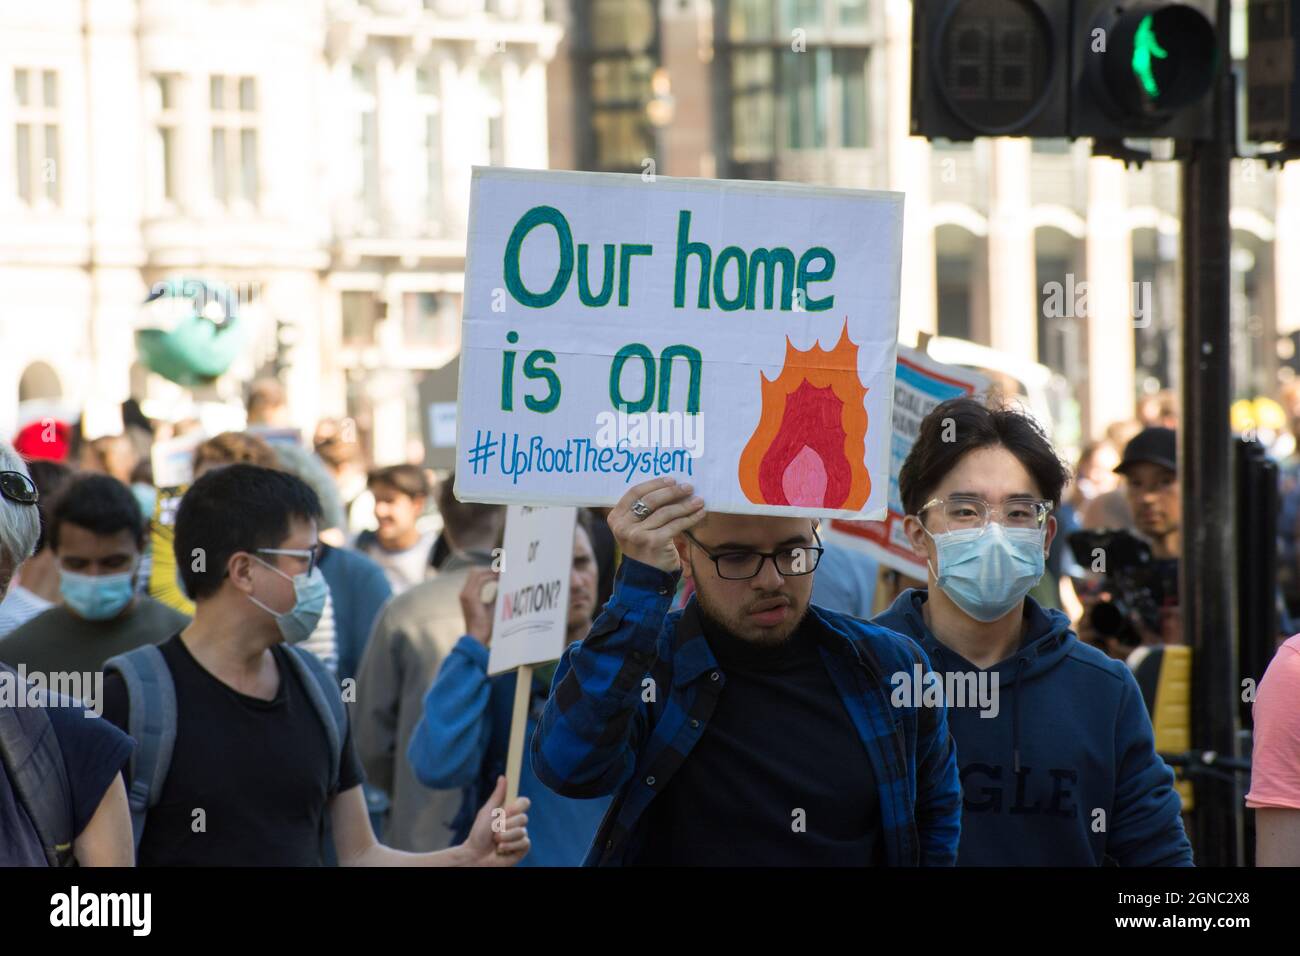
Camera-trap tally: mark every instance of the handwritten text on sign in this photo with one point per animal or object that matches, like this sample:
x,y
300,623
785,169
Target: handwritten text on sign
x,y
739,335
529,625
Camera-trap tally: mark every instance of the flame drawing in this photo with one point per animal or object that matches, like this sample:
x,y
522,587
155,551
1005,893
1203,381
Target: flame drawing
x,y
809,445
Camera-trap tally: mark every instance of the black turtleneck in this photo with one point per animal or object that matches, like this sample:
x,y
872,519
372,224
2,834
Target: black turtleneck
x,y
780,776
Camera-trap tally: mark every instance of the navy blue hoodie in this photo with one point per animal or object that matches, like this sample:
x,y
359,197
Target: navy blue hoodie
x,y
1066,773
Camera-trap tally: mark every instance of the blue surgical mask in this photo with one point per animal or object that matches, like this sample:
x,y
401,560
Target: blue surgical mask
x,y
309,592
988,574
97,597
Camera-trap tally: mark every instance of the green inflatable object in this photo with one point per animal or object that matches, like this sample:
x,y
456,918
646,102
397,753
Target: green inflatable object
x,y
202,345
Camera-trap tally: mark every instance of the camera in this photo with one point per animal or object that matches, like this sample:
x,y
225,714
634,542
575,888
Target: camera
x,y
1138,583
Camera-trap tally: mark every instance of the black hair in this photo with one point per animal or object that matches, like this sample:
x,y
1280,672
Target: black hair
x,y
50,478
236,508
959,426
98,503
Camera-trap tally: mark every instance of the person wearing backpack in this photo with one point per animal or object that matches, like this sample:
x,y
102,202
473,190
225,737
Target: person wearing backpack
x,y
62,799
245,755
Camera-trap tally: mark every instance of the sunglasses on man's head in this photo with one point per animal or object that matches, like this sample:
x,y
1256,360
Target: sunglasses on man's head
x,y
16,486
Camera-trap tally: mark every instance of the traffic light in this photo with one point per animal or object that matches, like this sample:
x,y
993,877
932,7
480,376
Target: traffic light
x,y
1273,71
1109,69
1142,68
989,68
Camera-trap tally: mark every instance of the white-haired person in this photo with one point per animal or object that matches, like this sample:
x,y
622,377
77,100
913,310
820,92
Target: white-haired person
x,y
62,796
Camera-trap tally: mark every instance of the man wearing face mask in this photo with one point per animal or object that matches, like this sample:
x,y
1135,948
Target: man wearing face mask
x,y
1057,759
97,535
250,743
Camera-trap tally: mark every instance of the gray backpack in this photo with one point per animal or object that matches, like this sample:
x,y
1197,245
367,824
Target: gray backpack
x,y
151,719
33,761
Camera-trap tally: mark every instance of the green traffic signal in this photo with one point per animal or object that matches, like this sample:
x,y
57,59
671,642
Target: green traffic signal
x,y
1146,46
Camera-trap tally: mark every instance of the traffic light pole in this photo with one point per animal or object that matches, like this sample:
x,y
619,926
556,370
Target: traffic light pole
x,y
1206,575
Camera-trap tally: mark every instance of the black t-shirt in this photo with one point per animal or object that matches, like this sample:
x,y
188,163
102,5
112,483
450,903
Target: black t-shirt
x,y
257,769
94,752
780,777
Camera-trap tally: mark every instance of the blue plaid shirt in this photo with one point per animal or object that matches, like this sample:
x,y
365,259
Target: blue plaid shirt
x,y
630,701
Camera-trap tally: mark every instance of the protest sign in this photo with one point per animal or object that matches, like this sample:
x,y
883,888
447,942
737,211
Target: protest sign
x,y
736,335
530,620
173,459
920,383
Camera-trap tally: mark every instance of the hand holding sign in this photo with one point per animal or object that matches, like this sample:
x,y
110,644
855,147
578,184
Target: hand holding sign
x,y
499,836
477,598
667,509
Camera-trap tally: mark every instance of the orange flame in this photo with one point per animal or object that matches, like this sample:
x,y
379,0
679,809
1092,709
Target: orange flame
x,y
808,447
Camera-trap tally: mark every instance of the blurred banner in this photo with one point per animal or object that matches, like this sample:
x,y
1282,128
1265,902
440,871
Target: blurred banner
x,y
919,384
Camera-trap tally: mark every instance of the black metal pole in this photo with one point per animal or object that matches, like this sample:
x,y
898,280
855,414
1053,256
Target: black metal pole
x,y
1206,570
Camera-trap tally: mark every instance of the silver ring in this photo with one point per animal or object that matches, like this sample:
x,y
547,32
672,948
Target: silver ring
x,y
641,510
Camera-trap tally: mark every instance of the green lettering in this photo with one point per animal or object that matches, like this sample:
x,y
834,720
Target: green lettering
x,y
625,254
770,259
685,249
729,254
806,275
616,378
537,216
552,380
607,283
694,362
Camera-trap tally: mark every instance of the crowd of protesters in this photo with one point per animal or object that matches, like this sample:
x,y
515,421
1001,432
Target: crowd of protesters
x,y
292,655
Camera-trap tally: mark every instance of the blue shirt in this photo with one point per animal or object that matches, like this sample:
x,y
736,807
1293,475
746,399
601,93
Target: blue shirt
x,y
461,741
632,699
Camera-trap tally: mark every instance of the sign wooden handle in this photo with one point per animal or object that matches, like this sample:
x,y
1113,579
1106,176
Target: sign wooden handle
x,y
518,724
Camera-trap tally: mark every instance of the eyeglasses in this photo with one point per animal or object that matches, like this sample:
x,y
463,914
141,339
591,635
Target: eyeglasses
x,y
743,565
16,486
310,555
964,512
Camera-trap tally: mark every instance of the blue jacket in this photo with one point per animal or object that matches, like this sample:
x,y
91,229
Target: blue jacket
x,y
461,741
632,699
1066,772
359,590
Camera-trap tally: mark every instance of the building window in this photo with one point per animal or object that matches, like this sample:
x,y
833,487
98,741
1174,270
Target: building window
x,y
493,112
365,141
36,136
232,101
430,106
617,49
424,319
790,88
163,92
360,315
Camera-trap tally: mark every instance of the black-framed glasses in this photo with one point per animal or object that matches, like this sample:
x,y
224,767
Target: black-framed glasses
x,y
16,486
743,565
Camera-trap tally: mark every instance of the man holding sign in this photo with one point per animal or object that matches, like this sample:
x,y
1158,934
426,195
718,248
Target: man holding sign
x,y
750,728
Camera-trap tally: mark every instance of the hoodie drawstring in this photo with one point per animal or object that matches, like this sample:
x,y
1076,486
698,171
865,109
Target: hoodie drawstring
x,y
1015,715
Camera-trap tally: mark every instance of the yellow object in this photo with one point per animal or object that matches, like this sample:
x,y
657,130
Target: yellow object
x,y
1172,720
163,584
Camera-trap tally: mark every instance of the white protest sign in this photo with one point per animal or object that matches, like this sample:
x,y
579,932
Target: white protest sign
x,y
737,335
529,623
442,424
920,384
